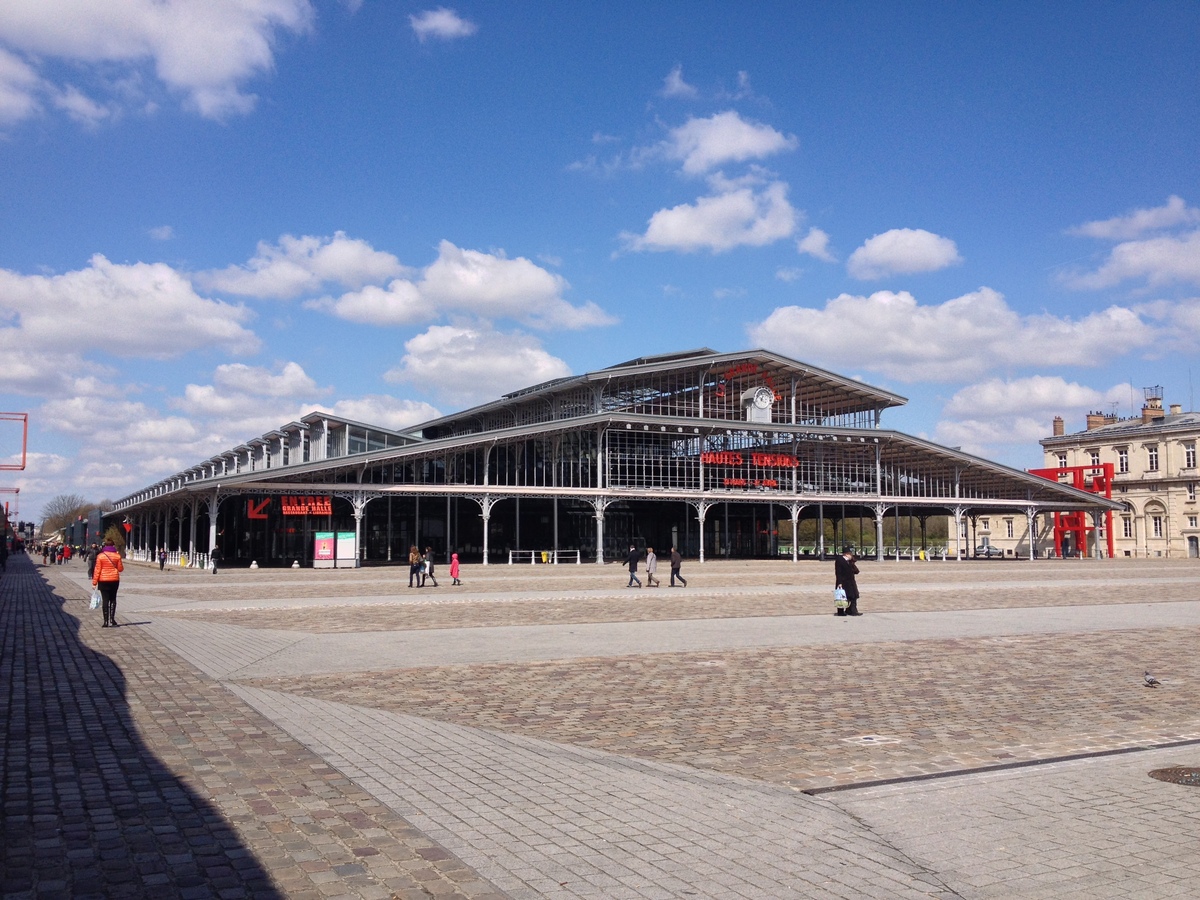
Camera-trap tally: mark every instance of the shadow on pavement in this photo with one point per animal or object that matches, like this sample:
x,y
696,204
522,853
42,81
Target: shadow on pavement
x,y
86,809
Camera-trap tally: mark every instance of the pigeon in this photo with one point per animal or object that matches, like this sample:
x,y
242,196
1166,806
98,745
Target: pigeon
x,y
1151,681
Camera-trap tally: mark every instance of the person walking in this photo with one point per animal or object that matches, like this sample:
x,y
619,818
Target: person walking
x,y
414,566
845,569
632,561
427,570
215,558
107,577
454,569
162,558
92,554
651,568
676,565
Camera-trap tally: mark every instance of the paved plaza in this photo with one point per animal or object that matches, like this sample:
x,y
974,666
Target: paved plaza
x,y
542,731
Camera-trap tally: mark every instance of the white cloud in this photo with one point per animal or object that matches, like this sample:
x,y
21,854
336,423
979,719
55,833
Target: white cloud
x,y
485,285
741,216
675,86
492,285
963,338
704,144
816,244
1017,412
1159,260
1122,228
459,281
441,24
161,232
465,366
788,274
203,50
19,87
236,383
140,310
1037,395
380,409
81,108
400,303
299,265
902,251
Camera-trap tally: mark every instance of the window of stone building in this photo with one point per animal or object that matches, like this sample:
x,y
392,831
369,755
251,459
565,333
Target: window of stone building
x,y
1156,526
1192,491
1095,457
1008,527
1189,456
985,524
1123,461
1062,460
1127,526
1191,521
1154,488
1152,458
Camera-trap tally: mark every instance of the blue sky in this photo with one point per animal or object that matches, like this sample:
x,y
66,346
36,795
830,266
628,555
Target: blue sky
x,y
220,215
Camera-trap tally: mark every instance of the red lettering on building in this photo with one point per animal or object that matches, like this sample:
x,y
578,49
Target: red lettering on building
x,y
723,458
749,482
775,460
306,505
746,368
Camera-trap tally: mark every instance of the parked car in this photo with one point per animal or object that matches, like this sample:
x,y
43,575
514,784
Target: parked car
x,y
987,551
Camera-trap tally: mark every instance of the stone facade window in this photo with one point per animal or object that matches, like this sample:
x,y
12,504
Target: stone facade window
x,y
1062,460
1152,458
1126,527
1156,526
1095,457
1123,461
1189,456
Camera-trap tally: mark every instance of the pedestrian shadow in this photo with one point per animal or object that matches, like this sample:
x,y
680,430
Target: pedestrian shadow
x,y
87,808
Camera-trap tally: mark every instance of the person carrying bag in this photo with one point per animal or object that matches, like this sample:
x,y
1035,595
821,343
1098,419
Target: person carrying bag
x,y
107,577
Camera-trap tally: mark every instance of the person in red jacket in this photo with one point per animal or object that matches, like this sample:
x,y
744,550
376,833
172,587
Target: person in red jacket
x,y
107,577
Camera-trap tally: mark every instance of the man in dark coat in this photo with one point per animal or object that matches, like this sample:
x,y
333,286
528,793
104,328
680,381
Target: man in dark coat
x,y
676,564
844,569
632,562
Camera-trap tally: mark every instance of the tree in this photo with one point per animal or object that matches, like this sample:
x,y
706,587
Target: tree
x,y
115,536
62,510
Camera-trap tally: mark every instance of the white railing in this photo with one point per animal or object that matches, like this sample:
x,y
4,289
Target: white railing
x,y
175,558
548,557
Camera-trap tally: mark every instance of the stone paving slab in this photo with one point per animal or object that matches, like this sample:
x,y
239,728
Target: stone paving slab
x,y
815,716
541,819
405,613
696,749
327,653
1085,828
127,773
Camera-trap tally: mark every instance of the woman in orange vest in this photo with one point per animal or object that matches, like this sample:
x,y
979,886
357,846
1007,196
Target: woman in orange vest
x,y
107,577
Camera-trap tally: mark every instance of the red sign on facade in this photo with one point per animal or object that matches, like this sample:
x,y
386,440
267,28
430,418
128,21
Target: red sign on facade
x,y
306,505
770,460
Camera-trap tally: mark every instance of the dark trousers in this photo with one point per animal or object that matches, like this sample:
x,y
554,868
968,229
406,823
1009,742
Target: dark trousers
x,y
108,600
675,574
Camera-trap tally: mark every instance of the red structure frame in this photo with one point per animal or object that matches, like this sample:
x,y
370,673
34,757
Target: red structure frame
x,y
23,418
1096,479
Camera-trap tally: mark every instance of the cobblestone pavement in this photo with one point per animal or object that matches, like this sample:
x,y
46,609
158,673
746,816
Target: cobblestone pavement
x,y
546,733
127,773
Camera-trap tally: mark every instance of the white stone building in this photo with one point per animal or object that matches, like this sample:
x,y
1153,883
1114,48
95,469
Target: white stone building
x,y
1154,476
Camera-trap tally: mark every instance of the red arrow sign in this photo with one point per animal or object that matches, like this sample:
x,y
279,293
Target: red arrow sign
x,y
256,512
